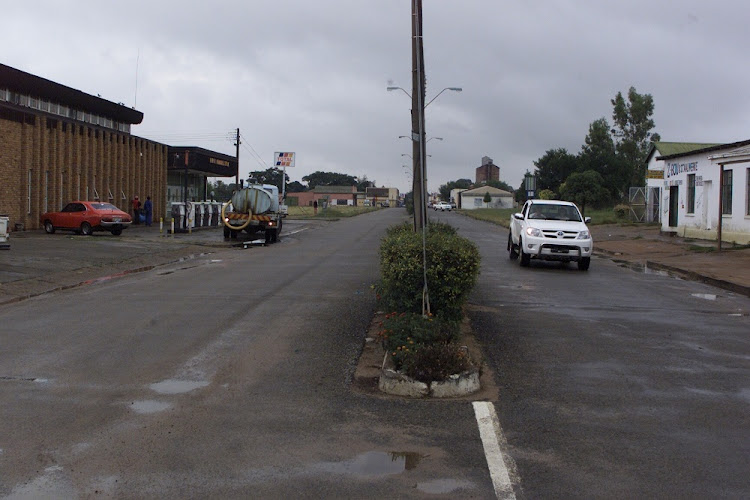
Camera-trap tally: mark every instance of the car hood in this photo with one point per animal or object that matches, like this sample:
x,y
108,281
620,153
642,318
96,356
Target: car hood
x,y
566,225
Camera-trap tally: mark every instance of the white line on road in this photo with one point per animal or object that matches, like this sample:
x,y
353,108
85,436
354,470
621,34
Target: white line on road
x,y
492,436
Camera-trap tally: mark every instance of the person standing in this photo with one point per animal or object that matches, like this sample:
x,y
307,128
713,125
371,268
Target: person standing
x,y
148,208
136,210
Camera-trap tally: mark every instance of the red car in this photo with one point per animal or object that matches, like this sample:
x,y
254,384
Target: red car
x,y
85,217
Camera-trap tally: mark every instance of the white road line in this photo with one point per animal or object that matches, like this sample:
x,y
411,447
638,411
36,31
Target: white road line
x,y
492,436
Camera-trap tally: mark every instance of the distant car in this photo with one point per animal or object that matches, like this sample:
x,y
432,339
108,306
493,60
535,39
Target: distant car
x,y
550,230
85,217
442,206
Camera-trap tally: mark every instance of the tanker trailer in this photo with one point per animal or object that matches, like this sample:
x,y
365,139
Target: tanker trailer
x,y
253,209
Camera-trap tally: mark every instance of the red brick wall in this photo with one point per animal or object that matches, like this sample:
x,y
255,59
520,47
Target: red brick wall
x,y
65,158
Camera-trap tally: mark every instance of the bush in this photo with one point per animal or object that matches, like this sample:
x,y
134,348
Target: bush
x,y
436,362
622,211
452,270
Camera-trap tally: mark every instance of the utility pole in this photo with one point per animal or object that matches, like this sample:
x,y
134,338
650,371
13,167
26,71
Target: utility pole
x,y
237,156
417,119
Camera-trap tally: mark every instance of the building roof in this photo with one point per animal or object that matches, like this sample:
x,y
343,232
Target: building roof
x,y
21,82
486,189
707,148
335,189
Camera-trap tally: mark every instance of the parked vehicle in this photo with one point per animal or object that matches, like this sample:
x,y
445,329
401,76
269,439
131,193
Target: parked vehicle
x,y
442,206
85,217
4,232
550,230
254,208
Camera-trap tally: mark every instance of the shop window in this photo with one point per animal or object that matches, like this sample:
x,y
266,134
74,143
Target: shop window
x,y
691,194
726,193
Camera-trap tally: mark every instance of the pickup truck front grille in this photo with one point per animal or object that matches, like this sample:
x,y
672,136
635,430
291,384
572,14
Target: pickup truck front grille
x,y
559,234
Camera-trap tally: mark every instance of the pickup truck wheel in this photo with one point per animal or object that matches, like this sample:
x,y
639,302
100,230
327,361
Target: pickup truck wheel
x,y
48,227
584,263
525,258
512,252
86,229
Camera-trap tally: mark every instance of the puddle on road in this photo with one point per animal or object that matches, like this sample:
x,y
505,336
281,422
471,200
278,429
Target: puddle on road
x,y
372,463
642,268
706,296
149,406
173,386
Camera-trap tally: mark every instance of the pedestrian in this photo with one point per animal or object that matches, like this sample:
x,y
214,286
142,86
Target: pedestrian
x,y
148,207
136,210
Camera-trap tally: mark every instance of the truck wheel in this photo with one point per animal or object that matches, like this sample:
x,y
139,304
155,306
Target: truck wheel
x,y
512,253
525,258
584,263
269,237
226,233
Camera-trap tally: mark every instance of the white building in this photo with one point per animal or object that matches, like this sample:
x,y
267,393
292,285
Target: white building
x,y
692,196
474,198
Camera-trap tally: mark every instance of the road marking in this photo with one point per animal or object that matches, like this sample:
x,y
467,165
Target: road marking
x,y
492,436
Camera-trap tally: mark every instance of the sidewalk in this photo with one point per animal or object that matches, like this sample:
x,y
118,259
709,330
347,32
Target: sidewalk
x,y
646,247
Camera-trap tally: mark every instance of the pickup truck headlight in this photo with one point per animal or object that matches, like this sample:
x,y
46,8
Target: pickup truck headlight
x,y
532,231
584,235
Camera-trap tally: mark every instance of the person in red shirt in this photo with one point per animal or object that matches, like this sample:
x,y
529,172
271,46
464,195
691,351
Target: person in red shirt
x,y
136,210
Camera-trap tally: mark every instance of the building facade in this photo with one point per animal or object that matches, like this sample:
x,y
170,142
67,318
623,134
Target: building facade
x,y
59,144
487,172
472,199
707,189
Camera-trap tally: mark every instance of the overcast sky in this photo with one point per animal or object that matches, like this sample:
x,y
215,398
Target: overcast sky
x,y
311,76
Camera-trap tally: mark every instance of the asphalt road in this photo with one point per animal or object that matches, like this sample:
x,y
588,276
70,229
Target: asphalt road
x,y
614,383
229,375
226,376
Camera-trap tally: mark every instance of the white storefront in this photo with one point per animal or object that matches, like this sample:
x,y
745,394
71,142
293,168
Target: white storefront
x,y
693,192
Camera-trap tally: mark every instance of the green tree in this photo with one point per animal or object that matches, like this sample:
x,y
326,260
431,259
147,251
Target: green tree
x,y
295,187
487,198
268,176
585,188
553,168
633,125
600,155
445,189
547,194
363,183
329,179
220,191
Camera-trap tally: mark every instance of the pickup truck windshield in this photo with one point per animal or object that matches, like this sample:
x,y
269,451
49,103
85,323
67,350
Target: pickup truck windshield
x,y
554,212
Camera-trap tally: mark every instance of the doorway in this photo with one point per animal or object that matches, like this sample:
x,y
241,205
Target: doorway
x,y
706,210
674,205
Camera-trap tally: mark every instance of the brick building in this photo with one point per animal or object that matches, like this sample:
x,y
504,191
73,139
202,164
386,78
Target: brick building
x,y
487,172
59,144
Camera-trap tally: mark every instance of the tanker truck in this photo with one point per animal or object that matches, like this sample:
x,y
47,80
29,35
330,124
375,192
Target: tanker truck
x,y
254,208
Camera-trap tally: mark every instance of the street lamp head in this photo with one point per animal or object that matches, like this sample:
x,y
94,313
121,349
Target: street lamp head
x,y
392,88
456,89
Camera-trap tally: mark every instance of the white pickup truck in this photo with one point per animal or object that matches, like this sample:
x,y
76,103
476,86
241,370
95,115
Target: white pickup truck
x,y
550,230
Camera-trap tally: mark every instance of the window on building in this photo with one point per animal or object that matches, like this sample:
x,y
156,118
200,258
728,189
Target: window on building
x,y
726,193
691,194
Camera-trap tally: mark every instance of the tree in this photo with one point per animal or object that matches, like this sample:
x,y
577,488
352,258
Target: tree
x,y
220,191
584,188
553,168
487,198
633,124
363,184
268,176
295,187
445,189
329,179
599,154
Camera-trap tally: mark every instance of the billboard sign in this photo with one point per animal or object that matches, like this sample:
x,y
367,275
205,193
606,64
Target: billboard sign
x,y
283,160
